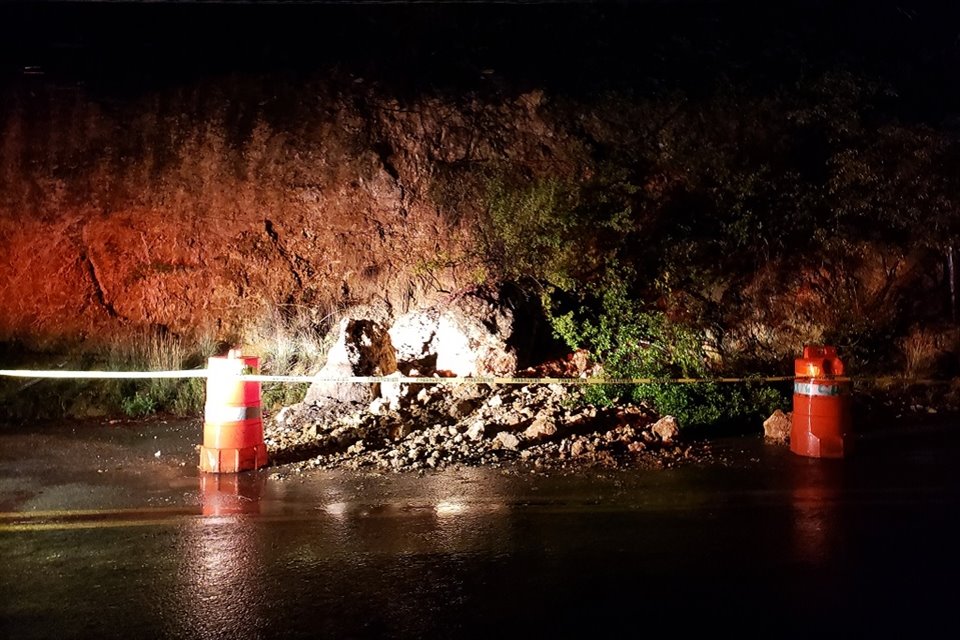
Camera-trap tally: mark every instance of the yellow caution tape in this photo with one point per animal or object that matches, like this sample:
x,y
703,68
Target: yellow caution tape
x,y
503,380
203,373
109,375
37,375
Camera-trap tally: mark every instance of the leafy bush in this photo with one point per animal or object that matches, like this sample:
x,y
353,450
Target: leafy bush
x,y
576,244
139,405
632,342
531,227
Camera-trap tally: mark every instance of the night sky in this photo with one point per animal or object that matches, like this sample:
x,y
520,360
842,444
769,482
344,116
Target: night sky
x,y
647,47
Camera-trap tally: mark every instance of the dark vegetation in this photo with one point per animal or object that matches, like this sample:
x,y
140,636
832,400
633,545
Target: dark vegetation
x,y
752,178
802,164
652,261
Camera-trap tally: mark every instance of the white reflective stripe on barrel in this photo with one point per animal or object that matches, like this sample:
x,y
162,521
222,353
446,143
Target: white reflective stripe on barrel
x,y
814,389
230,414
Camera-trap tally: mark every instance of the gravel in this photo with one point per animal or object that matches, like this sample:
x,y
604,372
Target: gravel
x,y
443,425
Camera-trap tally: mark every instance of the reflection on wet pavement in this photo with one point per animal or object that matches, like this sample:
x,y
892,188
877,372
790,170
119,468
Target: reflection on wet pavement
x,y
770,539
219,589
231,493
814,499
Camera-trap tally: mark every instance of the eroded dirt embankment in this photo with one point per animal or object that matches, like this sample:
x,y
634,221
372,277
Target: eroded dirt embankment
x,y
198,208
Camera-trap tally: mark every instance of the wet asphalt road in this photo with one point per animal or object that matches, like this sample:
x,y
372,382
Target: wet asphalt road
x,y
100,537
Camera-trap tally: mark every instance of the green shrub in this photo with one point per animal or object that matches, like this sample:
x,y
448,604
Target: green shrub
x,y
292,340
138,405
632,342
531,228
159,351
606,280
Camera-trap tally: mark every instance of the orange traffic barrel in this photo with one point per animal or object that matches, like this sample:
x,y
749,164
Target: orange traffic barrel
x,y
233,420
821,405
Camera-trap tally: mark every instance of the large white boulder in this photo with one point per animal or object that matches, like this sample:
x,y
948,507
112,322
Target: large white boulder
x,y
362,348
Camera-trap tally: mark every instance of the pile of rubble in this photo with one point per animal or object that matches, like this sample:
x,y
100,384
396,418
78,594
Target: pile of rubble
x,y
434,426
420,426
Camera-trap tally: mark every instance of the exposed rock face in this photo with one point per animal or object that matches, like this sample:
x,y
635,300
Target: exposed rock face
x,y
177,216
413,336
467,337
362,348
776,428
172,211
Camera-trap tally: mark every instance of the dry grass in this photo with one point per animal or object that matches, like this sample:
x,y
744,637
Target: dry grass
x,y
290,340
159,351
925,349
